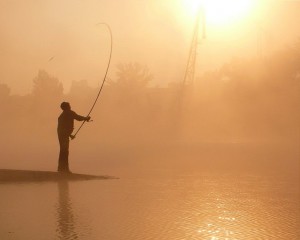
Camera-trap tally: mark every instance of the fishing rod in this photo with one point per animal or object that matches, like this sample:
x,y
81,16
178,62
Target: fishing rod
x,y
104,79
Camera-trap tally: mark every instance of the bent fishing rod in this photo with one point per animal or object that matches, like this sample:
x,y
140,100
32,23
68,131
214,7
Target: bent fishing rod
x,y
72,136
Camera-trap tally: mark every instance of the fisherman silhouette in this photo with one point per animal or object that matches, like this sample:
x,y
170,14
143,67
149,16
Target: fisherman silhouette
x,y
64,130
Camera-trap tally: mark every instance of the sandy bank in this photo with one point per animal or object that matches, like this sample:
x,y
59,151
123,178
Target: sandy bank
x,y
11,175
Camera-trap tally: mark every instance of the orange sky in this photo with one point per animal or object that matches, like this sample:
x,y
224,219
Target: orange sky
x,y
151,32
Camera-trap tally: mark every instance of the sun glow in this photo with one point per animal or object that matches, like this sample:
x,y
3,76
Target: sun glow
x,y
221,12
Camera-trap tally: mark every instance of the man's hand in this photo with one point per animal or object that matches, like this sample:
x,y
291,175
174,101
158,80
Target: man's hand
x,y
88,118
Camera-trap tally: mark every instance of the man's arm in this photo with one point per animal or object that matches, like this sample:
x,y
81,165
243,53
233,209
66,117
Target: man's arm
x,y
80,118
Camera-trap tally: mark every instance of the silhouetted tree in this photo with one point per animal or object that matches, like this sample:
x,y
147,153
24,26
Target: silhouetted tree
x,y
133,76
47,94
131,84
129,99
80,88
46,86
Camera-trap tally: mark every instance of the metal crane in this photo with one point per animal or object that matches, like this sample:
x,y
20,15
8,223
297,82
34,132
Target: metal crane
x,y
191,64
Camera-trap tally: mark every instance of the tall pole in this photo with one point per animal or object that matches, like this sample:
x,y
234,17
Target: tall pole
x,y
184,94
192,59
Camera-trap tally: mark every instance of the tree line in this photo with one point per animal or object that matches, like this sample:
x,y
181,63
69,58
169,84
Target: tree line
x,y
243,100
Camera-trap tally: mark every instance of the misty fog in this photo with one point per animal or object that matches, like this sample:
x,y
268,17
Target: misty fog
x,y
241,110
247,111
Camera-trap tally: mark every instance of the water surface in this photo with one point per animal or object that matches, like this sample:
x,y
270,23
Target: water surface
x,y
188,206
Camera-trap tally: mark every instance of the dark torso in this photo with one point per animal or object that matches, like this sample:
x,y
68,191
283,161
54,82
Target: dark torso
x,y
66,122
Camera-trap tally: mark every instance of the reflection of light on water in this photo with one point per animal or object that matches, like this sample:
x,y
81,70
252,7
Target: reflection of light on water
x,y
210,208
218,228
216,233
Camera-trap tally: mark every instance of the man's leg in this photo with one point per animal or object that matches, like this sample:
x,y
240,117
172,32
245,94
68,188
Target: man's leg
x,y
63,161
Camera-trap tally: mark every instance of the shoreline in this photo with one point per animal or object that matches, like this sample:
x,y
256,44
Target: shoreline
x,y
14,175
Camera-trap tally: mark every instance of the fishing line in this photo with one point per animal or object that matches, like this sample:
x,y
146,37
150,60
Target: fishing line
x,y
104,79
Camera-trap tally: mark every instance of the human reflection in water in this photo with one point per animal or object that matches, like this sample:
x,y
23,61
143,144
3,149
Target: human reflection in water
x,y
65,216
64,130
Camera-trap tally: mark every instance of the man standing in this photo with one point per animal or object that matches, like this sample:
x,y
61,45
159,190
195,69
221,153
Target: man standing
x,y
64,130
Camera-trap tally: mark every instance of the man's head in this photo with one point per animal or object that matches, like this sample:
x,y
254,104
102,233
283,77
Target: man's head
x,y
65,106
